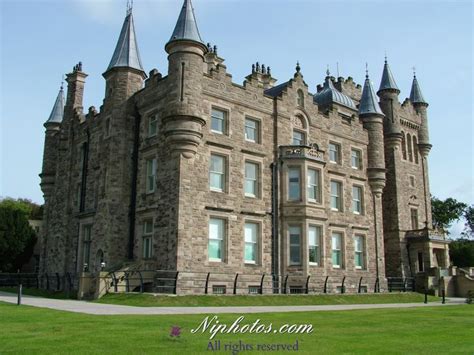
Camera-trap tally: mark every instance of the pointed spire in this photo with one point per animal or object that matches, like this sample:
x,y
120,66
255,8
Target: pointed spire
x,y
368,102
126,52
186,27
416,97
57,113
388,82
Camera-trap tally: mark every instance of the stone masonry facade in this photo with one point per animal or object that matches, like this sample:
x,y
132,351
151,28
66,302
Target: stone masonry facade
x,y
334,191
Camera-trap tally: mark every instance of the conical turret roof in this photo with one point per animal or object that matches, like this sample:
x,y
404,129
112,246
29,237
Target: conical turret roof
x,y
186,28
388,82
368,102
416,96
57,113
126,52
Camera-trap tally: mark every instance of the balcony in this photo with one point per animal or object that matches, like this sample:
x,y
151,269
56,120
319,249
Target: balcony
x,y
311,152
426,234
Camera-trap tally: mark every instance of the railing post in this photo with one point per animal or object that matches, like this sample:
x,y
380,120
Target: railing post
x,y
207,283
376,286
443,294
405,284
235,283
285,284
360,285
426,296
141,281
115,282
307,284
326,285
20,290
175,289
261,284
342,286
127,282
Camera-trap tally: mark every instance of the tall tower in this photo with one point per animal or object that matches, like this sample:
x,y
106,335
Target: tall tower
x,y
373,119
424,146
184,117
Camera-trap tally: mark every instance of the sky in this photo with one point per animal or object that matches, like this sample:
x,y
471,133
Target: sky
x,y
43,39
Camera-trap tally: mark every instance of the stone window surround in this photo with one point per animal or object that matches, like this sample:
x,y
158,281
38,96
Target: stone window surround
x,y
341,197
82,224
149,121
320,244
342,232
227,175
301,244
259,128
362,199
259,253
361,158
226,123
146,159
339,151
144,235
259,161
364,251
287,171
319,200
225,242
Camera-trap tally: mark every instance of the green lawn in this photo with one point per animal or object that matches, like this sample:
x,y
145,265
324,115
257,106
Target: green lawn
x,y
149,300
435,330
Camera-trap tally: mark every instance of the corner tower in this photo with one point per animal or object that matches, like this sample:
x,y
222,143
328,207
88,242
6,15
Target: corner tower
x,y
184,117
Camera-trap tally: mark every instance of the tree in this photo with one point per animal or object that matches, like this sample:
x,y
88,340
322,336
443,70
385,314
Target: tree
x,y
469,224
461,252
446,212
17,238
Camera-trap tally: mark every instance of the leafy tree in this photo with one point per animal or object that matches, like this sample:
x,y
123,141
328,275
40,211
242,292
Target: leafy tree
x,y
469,224
31,209
17,238
461,252
446,212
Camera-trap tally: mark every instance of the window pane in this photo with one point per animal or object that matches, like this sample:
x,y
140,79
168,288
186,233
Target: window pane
x,y
217,181
251,170
313,244
335,195
298,138
294,190
217,172
216,235
355,159
214,249
251,230
313,182
333,153
250,254
251,130
217,163
218,121
295,245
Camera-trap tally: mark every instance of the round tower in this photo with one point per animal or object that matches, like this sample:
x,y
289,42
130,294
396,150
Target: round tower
x,y
421,106
184,117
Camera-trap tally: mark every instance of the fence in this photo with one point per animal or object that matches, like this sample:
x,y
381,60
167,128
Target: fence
x,y
52,282
400,284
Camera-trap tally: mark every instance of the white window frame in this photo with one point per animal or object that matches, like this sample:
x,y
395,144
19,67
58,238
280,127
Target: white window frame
x,y
313,186
339,197
147,239
256,129
360,251
222,174
291,230
153,121
314,245
253,242
151,164
253,181
335,248
220,238
224,120
359,201
357,158
336,151
290,170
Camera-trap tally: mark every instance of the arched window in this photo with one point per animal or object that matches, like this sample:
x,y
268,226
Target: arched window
x,y
410,148
299,136
404,147
415,149
300,100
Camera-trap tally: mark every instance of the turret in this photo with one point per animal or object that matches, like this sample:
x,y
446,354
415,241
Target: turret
x,y
124,75
372,118
388,93
75,90
184,117
420,105
52,125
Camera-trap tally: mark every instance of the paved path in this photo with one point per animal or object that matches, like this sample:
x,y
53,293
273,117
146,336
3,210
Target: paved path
x,y
110,309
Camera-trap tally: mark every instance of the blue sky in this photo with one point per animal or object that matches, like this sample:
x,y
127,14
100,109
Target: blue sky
x,y
42,40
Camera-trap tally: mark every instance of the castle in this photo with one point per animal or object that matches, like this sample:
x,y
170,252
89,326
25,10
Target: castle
x,y
191,172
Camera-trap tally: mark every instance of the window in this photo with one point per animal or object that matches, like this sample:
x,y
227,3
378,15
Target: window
x,y
150,175
152,125
314,240
295,245
86,250
300,100
356,159
294,186
107,127
415,149
336,188
404,146
251,242
217,173
410,151
216,239
252,130
254,290
414,218
218,121
251,179
219,289
334,153
298,138
336,249
313,185
147,238
359,252
357,199
420,261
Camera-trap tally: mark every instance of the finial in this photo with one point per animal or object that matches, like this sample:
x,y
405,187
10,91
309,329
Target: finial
x,y
366,70
257,67
215,49
337,69
129,7
264,70
268,71
253,68
414,72
385,57
62,82
328,73
298,68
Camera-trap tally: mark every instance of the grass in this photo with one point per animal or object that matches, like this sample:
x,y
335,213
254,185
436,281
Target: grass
x,y
39,292
436,330
149,300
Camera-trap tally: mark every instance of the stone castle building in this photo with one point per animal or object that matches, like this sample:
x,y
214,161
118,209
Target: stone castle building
x,y
191,172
